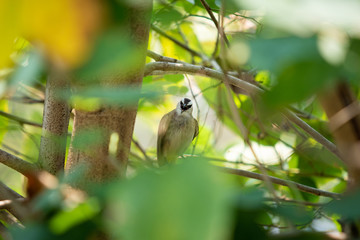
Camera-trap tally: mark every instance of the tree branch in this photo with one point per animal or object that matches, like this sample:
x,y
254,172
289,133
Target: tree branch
x,y
19,119
16,163
161,58
213,18
137,144
17,209
279,181
312,132
159,31
186,68
10,219
26,99
56,117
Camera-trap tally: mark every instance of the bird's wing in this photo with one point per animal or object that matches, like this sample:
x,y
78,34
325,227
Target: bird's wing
x,y
196,128
163,127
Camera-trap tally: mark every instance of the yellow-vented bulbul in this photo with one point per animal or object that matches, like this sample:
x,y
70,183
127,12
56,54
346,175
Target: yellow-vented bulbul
x,y
176,131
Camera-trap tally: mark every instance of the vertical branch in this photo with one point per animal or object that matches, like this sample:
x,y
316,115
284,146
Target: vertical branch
x,y
118,120
55,123
342,109
124,125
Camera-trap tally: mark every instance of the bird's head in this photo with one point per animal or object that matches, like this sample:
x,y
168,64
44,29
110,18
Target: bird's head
x,y
185,105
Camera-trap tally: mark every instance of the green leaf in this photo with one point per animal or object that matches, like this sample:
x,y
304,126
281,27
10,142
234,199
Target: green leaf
x,y
313,160
65,220
297,65
174,78
29,70
347,207
274,54
299,81
87,138
185,202
113,52
166,16
298,215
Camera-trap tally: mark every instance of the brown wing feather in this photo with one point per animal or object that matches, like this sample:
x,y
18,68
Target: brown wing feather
x,y
163,127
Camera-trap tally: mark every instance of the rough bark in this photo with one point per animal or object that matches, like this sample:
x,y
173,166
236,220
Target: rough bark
x,y
55,123
343,110
113,119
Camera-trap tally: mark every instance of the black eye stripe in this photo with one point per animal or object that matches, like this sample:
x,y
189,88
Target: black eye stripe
x,y
185,104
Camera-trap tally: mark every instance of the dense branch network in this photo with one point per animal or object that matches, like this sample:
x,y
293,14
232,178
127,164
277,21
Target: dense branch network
x,y
163,68
282,182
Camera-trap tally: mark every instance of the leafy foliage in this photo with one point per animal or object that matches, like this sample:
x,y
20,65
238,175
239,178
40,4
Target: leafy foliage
x,y
292,57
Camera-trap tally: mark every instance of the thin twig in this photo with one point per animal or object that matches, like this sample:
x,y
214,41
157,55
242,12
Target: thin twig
x,y
279,181
177,42
137,144
19,119
16,152
186,68
208,88
26,99
212,16
160,58
296,202
198,113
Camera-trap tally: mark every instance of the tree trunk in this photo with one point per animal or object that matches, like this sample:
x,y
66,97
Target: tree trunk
x,y
342,110
117,120
55,123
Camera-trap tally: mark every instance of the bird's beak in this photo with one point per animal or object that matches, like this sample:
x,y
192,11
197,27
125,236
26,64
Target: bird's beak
x,y
182,110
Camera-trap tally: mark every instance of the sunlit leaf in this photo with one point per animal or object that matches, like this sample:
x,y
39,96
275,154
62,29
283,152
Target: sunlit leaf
x,y
166,16
57,27
65,220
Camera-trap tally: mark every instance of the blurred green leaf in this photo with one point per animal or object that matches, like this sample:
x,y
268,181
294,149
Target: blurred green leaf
x,y
86,138
319,161
65,220
347,206
274,54
298,67
93,97
298,215
299,81
185,202
4,122
250,199
29,70
166,16
175,78
113,52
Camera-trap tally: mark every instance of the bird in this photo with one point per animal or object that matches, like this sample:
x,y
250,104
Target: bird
x,y
176,131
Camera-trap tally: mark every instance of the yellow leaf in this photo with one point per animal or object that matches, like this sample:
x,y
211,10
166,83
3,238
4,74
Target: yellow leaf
x,y
62,29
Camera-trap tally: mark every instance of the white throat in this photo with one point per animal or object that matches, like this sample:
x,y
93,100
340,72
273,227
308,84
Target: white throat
x,y
178,109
